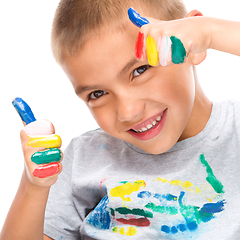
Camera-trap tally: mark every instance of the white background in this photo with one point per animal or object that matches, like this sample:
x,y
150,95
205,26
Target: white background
x,y
28,70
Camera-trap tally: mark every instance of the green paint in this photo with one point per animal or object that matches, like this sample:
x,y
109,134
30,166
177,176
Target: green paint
x,y
135,211
115,229
213,181
47,156
162,209
178,50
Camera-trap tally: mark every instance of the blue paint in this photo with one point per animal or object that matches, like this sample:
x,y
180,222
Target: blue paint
x,y
160,197
144,194
165,229
192,226
174,230
136,18
23,110
213,207
182,227
100,217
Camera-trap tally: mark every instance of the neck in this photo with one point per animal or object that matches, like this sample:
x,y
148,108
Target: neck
x,y
201,112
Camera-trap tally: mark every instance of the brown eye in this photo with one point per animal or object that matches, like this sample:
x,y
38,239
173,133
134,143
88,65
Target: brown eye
x,y
96,94
140,70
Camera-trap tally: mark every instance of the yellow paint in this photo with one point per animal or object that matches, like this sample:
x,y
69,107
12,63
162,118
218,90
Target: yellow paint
x,y
127,189
176,183
121,231
198,190
152,52
131,231
115,229
164,180
187,184
51,141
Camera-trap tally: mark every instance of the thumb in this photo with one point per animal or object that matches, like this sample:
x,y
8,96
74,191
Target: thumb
x,y
136,19
23,110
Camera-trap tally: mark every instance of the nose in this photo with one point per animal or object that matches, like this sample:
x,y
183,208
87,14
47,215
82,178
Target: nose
x,y
129,106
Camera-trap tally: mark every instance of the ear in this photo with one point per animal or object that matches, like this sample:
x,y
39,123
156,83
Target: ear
x,y
195,13
200,57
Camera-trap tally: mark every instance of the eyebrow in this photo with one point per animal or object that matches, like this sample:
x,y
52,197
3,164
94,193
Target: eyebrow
x,y
127,67
81,89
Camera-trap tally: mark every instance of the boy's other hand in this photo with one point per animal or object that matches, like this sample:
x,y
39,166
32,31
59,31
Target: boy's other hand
x,y
40,147
171,42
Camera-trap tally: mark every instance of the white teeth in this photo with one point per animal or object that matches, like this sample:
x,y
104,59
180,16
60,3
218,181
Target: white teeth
x,y
149,126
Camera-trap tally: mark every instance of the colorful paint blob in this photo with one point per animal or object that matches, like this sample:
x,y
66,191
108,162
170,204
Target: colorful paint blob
x,y
23,110
48,170
139,48
136,18
152,53
48,141
47,156
178,50
172,208
126,189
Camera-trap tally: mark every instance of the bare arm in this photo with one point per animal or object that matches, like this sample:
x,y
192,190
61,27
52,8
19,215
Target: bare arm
x,y
26,215
25,220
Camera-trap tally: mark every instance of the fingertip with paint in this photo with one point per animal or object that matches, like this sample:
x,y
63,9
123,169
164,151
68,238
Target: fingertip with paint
x,y
136,18
23,110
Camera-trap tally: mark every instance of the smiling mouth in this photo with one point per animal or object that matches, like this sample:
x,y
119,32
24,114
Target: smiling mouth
x,y
149,126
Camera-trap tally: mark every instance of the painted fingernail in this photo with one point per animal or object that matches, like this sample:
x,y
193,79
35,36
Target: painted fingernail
x,y
139,49
136,18
152,53
164,49
23,110
48,156
48,170
178,50
51,141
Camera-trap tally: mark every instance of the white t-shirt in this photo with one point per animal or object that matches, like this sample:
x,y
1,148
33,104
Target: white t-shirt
x,y
110,189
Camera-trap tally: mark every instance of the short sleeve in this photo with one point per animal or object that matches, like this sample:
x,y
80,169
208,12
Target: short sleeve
x,y
62,220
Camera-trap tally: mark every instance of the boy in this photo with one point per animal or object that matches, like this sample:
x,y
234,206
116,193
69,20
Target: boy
x,y
165,163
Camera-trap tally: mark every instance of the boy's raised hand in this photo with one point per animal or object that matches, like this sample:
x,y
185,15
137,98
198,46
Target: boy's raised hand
x,y
168,42
40,147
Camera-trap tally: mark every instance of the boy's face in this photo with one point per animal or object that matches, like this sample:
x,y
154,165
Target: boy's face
x,y
149,107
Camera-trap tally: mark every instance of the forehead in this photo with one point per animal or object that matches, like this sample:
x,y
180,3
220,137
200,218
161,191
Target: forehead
x,y
103,56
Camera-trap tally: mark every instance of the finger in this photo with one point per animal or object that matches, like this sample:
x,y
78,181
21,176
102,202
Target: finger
x,y
23,110
136,19
44,171
47,156
51,141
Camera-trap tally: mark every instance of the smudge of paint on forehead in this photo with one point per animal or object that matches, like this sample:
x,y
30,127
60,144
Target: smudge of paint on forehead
x,y
213,181
23,110
127,189
136,19
48,141
47,156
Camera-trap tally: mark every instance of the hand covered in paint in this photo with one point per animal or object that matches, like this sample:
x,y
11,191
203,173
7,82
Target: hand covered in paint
x,y
40,147
167,42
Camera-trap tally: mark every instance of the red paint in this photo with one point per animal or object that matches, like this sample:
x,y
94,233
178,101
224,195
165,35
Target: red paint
x,y
47,170
139,222
139,48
